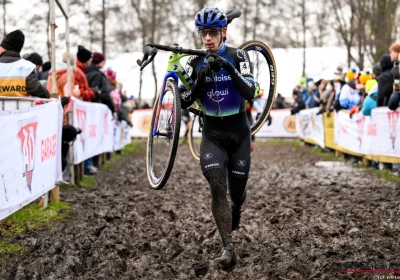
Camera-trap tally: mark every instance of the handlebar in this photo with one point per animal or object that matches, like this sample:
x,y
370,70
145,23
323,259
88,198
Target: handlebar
x,y
151,50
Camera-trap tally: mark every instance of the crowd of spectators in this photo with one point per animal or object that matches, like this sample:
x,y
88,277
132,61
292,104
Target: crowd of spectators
x,y
89,82
354,90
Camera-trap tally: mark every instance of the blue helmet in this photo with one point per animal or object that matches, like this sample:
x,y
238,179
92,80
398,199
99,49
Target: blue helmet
x,y
210,17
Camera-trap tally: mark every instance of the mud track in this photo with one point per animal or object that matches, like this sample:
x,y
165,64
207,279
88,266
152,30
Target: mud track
x,y
299,222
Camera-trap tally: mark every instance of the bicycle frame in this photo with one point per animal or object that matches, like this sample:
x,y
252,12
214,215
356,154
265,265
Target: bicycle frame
x,y
175,71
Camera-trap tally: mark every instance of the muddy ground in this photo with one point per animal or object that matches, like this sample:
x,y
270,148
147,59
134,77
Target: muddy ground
x,y
300,222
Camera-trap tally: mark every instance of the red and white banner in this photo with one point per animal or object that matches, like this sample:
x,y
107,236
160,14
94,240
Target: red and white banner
x,y
97,126
30,158
309,125
353,133
122,136
385,132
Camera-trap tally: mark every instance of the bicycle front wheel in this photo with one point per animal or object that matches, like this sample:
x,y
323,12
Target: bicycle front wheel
x,y
264,73
194,142
163,137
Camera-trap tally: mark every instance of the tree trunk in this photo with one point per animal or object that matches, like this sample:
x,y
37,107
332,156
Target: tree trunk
x,y
103,23
4,17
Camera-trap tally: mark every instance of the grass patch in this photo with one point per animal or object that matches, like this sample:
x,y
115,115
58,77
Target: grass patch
x,y
385,174
8,250
87,182
32,216
282,141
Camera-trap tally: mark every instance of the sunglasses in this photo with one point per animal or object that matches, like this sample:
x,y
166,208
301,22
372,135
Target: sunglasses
x,y
212,32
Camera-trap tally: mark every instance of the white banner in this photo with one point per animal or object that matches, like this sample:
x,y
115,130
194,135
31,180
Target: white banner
x,y
141,120
122,136
385,132
283,125
30,158
97,126
352,133
309,125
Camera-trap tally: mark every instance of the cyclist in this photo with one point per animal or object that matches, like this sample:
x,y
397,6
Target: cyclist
x,y
226,130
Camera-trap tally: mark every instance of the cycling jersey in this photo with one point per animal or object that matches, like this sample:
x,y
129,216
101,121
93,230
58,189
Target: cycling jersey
x,y
224,94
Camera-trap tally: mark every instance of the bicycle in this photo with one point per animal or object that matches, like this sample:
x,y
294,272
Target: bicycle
x,y
165,123
262,57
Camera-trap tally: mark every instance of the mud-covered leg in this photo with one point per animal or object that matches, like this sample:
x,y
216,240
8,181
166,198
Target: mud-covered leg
x,y
237,192
222,213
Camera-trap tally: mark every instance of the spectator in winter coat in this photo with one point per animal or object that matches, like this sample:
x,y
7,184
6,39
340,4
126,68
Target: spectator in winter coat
x,y
394,97
299,103
279,102
17,76
115,92
348,96
45,73
36,59
98,82
370,101
84,58
386,64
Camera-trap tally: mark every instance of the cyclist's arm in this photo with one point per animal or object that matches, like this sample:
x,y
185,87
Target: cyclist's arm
x,y
242,80
189,96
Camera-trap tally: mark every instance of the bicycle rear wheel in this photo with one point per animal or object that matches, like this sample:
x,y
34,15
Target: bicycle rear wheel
x,y
194,142
163,137
264,72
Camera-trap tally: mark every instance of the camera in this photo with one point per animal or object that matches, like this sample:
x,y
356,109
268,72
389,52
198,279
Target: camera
x,y
396,85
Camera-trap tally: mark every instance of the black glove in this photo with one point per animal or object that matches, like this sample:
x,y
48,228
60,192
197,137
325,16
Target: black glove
x,y
219,62
201,76
269,120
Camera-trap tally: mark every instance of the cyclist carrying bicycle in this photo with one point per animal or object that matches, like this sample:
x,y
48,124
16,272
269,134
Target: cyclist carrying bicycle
x,y
226,130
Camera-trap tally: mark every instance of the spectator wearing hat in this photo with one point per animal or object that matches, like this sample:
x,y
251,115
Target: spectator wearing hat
x,y
386,64
36,59
348,95
17,76
313,97
84,58
45,70
98,82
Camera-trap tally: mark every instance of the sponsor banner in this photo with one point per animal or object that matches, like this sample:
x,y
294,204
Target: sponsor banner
x,y
283,124
309,125
122,136
30,160
384,132
352,133
97,126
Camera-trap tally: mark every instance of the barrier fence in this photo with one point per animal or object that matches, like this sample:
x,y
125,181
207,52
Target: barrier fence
x,y
374,137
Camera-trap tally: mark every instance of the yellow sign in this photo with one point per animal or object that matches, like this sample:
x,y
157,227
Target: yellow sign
x,y
290,124
144,123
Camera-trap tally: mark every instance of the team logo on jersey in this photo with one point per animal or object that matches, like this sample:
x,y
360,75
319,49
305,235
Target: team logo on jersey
x,y
220,78
27,138
175,67
208,156
245,68
217,95
240,54
241,162
189,70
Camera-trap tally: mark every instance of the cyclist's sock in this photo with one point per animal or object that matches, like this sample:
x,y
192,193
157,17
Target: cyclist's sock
x,y
219,204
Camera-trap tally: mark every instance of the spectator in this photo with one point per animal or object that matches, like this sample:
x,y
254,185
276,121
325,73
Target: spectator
x,y
312,100
115,93
45,73
98,81
36,59
68,137
370,101
18,75
84,58
125,111
394,72
348,96
394,98
61,77
145,105
386,65
299,103
279,102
